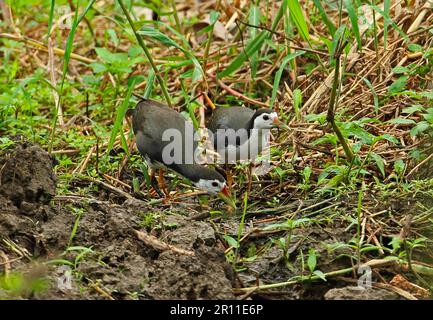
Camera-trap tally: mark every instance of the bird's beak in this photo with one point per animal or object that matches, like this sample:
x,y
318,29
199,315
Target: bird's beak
x,y
227,197
225,191
280,124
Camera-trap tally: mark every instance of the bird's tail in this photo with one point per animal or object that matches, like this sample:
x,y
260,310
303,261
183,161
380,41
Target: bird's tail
x,y
130,113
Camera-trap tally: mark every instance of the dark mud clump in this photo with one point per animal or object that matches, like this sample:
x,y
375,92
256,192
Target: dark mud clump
x,y
107,260
27,185
27,175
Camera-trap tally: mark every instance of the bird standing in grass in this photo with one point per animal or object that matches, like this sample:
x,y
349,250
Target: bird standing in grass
x,y
241,134
150,120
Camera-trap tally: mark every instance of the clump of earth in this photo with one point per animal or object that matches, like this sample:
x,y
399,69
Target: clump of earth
x,y
68,248
103,258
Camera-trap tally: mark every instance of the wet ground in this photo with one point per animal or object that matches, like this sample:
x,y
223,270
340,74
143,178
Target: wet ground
x,y
91,250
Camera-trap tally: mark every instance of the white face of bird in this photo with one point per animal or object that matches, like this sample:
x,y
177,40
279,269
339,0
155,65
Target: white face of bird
x,y
266,121
212,186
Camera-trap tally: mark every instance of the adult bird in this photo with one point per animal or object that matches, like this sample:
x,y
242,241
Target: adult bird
x,y
241,134
151,121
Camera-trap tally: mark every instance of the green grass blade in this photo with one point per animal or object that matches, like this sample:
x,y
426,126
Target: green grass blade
x,y
375,96
51,17
297,102
147,53
120,114
68,48
386,10
67,56
254,45
250,49
389,21
279,73
339,34
254,19
298,19
354,21
166,40
331,27
149,84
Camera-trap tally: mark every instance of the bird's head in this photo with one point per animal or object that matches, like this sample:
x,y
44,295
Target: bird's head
x,y
211,181
266,119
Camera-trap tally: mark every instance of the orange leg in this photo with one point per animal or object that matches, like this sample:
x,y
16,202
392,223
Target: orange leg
x,y
229,178
155,188
161,183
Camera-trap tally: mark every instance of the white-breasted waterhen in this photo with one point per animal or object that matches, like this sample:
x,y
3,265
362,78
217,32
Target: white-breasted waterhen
x,y
150,119
240,133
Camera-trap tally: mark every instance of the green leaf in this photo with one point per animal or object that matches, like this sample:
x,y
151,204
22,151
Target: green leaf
x,y
386,10
312,260
213,16
399,166
331,27
398,85
339,34
149,84
113,36
110,57
414,47
354,21
297,102
307,173
379,162
412,109
389,21
419,128
320,274
400,70
51,17
427,94
280,73
231,241
401,121
298,19
249,50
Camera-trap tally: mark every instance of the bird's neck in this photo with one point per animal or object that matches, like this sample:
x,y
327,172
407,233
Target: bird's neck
x,y
249,126
189,171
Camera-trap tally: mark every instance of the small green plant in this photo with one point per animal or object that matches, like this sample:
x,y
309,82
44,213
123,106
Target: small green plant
x,y
312,263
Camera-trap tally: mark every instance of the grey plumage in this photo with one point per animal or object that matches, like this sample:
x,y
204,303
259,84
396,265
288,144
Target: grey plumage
x,y
150,119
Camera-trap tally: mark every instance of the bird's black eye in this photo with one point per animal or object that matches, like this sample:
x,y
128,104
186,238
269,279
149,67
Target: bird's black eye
x,y
214,184
266,117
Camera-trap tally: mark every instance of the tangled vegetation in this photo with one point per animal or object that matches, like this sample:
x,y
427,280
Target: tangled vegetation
x,y
350,184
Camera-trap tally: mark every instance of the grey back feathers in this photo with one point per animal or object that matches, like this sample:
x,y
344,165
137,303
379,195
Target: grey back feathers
x,y
235,118
150,119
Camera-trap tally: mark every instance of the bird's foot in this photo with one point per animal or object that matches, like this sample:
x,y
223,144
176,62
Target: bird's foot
x,y
155,192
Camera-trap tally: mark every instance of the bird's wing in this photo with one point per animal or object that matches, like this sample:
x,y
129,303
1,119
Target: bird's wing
x,y
234,118
158,129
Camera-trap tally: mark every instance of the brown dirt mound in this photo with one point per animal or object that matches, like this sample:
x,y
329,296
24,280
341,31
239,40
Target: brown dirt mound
x,y
118,265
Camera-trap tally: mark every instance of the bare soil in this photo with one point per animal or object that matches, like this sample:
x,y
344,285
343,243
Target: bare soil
x,y
36,230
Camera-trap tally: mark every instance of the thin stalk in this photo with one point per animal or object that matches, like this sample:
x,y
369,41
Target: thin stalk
x,y
371,264
206,50
358,227
332,102
147,53
176,16
241,226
